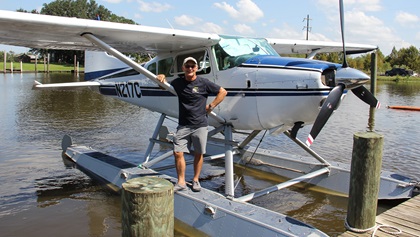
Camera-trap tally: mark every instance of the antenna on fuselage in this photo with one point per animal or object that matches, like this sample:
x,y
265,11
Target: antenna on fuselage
x,y
169,24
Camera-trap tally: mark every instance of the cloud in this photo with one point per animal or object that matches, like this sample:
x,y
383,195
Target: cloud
x,y
244,29
362,28
196,24
286,32
153,6
405,18
366,5
185,20
246,11
211,27
361,5
113,1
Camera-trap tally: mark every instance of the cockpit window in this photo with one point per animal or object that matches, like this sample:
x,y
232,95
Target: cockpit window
x,y
164,66
202,58
231,51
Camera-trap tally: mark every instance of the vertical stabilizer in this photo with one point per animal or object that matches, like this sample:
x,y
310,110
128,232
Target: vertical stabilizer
x,y
98,64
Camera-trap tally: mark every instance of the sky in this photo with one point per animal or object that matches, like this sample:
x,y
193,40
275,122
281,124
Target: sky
x,y
384,23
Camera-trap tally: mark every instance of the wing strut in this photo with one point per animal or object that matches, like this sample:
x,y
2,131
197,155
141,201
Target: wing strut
x,y
138,68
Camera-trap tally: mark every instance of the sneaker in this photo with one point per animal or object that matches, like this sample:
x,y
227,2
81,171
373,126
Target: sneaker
x,y
178,187
196,187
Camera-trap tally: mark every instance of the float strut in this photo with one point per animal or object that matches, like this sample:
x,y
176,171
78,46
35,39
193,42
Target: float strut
x,y
229,185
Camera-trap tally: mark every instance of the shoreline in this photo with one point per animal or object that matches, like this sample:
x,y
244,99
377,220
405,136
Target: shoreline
x,y
60,71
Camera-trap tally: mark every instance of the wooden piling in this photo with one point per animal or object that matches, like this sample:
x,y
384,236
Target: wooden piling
x,y
147,207
364,180
5,62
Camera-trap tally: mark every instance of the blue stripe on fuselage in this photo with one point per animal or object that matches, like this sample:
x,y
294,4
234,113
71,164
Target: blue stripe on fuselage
x,y
157,92
96,74
290,62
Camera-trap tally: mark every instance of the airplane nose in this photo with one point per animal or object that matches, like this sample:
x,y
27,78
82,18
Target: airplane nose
x,y
351,77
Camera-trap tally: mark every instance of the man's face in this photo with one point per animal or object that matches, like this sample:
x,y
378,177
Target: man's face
x,y
189,68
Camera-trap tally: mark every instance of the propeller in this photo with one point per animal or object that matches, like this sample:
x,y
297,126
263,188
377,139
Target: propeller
x,y
346,78
366,96
327,108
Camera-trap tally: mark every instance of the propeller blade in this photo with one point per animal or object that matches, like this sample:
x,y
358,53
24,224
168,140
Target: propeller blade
x,y
328,107
342,33
365,95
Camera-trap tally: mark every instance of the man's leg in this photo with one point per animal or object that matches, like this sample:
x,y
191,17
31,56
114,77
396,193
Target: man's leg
x,y
180,167
198,164
199,139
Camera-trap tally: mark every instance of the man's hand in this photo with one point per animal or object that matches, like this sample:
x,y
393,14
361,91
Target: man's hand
x,y
161,78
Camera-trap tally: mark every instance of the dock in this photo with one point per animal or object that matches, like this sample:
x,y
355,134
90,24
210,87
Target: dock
x,y
405,217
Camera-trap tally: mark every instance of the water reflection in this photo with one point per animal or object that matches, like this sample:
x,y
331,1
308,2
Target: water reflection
x,y
409,90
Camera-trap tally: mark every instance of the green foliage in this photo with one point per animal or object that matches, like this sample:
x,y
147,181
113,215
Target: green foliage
x,y
86,9
405,57
10,56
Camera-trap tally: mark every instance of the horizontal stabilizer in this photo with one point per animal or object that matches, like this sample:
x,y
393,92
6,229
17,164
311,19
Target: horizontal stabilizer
x,y
65,86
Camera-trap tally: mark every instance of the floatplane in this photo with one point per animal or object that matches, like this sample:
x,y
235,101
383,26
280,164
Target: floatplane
x,y
266,92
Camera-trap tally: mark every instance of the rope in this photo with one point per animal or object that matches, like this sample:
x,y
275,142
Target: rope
x,y
380,227
374,228
348,227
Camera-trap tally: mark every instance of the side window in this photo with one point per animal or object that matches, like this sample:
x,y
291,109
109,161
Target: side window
x,y
202,59
164,66
221,57
152,68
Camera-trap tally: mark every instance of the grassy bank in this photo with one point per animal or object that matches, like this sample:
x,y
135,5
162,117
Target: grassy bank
x,y
30,67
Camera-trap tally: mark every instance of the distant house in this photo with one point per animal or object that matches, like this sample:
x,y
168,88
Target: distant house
x,y
25,58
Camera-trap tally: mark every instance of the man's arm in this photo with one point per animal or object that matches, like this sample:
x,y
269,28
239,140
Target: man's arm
x,y
219,98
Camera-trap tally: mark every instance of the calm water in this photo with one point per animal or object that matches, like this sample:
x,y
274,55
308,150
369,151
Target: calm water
x,y
42,195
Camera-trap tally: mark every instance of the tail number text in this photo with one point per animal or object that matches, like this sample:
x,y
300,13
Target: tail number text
x,y
128,89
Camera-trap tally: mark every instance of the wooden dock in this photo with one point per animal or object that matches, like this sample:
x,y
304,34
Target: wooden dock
x,y
405,217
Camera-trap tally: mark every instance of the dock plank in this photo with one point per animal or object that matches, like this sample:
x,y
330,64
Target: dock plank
x,y
405,217
403,225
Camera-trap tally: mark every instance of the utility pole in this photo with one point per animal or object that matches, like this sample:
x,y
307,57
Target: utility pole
x,y
307,26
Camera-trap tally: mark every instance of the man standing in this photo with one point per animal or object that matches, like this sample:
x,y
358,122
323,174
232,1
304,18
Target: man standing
x,y
192,92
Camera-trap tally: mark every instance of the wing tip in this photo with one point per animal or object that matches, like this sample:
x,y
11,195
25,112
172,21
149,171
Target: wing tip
x,y
36,84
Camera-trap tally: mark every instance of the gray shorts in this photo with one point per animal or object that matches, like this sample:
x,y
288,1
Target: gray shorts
x,y
186,136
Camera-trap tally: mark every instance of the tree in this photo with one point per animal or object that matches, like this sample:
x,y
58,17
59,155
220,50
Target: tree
x,y
75,8
405,58
410,57
392,58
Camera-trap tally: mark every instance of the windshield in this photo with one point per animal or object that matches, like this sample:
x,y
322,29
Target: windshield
x,y
235,46
232,51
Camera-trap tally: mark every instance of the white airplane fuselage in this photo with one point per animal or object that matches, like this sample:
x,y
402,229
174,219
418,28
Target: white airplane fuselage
x,y
265,91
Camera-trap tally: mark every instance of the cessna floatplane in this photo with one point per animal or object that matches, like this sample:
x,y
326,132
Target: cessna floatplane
x,y
265,92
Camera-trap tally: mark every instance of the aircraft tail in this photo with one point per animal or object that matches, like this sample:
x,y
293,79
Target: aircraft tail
x,y
99,64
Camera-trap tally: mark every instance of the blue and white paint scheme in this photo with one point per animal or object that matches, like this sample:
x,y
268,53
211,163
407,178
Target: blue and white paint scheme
x,y
261,85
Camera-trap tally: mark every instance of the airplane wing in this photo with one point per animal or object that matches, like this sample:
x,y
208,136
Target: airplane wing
x,y
287,46
55,32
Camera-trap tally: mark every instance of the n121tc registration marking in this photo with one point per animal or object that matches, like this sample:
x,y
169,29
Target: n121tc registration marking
x,y
128,89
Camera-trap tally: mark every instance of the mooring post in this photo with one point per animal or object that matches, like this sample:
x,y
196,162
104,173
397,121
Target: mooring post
x,y
147,207
373,72
5,62
364,180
